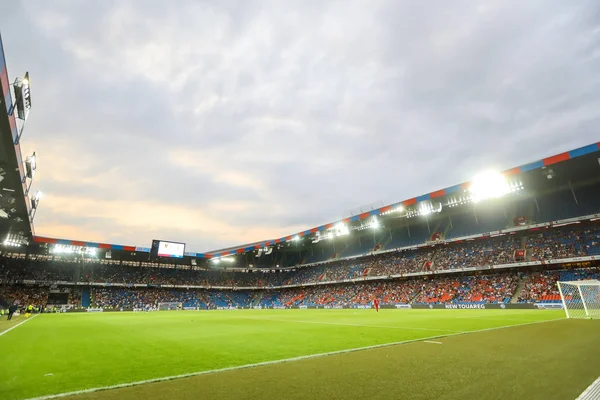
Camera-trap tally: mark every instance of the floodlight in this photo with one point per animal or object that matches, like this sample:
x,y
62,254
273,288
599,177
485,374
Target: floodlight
x,y
30,166
35,200
375,223
22,96
341,229
488,185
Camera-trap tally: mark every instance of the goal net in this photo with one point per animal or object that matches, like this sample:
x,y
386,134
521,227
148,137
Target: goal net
x,y
581,299
169,306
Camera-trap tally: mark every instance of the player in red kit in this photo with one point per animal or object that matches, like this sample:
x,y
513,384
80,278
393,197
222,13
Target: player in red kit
x,y
376,304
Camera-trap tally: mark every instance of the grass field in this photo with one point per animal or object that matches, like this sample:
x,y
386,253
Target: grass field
x,y
58,353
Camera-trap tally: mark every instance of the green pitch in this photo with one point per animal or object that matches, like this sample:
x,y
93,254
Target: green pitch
x,y
58,353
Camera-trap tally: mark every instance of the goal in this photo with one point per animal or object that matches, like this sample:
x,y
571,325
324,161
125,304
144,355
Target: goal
x,y
580,299
169,306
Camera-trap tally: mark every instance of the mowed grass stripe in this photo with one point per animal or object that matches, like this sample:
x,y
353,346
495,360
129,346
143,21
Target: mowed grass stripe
x,y
533,361
95,350
412,328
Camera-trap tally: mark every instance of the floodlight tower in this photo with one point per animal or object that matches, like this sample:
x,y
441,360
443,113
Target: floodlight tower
x,y
22,94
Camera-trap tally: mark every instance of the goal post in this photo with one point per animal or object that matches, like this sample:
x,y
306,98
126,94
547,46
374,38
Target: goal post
x,y
580,299
170,306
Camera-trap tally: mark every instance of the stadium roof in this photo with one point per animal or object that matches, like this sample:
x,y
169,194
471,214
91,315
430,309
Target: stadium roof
x,y
412,202
16,221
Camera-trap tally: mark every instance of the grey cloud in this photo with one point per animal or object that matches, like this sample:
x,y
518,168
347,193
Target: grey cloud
x,y
325,106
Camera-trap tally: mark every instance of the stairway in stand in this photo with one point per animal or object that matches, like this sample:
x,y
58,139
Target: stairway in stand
x,y
518,291
256,300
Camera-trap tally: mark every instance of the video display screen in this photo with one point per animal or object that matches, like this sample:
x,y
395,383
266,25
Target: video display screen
x,y
168,249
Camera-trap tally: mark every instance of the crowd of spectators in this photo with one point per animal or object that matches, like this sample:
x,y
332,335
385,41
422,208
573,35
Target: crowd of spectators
x,y
116,298
497,288
564,242
23,295
482,288
561,243
400,263
132,298
538,286
542,286
493,251
18,269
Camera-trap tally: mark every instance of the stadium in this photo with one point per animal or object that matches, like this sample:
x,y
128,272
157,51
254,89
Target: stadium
x,y
483,289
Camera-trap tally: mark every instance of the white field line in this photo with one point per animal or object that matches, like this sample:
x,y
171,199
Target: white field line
x,y
592,392
499,317
432,342
359,325
17,325
265,363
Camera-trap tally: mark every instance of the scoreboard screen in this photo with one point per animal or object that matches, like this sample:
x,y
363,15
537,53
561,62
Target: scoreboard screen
x,y
161,248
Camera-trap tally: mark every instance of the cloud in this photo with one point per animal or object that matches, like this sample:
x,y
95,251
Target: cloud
x,y
149,218
224,122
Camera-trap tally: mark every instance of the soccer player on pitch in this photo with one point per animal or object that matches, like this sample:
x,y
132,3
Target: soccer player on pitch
x,y
376,304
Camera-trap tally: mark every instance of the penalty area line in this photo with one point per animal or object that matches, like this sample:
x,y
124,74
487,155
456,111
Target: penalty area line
x,y
17,325
273,362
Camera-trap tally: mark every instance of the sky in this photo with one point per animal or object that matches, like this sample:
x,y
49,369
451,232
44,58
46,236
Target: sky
x,y
220,123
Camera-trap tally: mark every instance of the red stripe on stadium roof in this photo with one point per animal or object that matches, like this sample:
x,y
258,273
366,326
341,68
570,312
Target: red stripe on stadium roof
x,y
409,202
346,220
314,230
556,159
40,239
385,209
240,251
77,243
104,246
129,248
364,215
288,238
465,185
438,193
330,225
512,171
